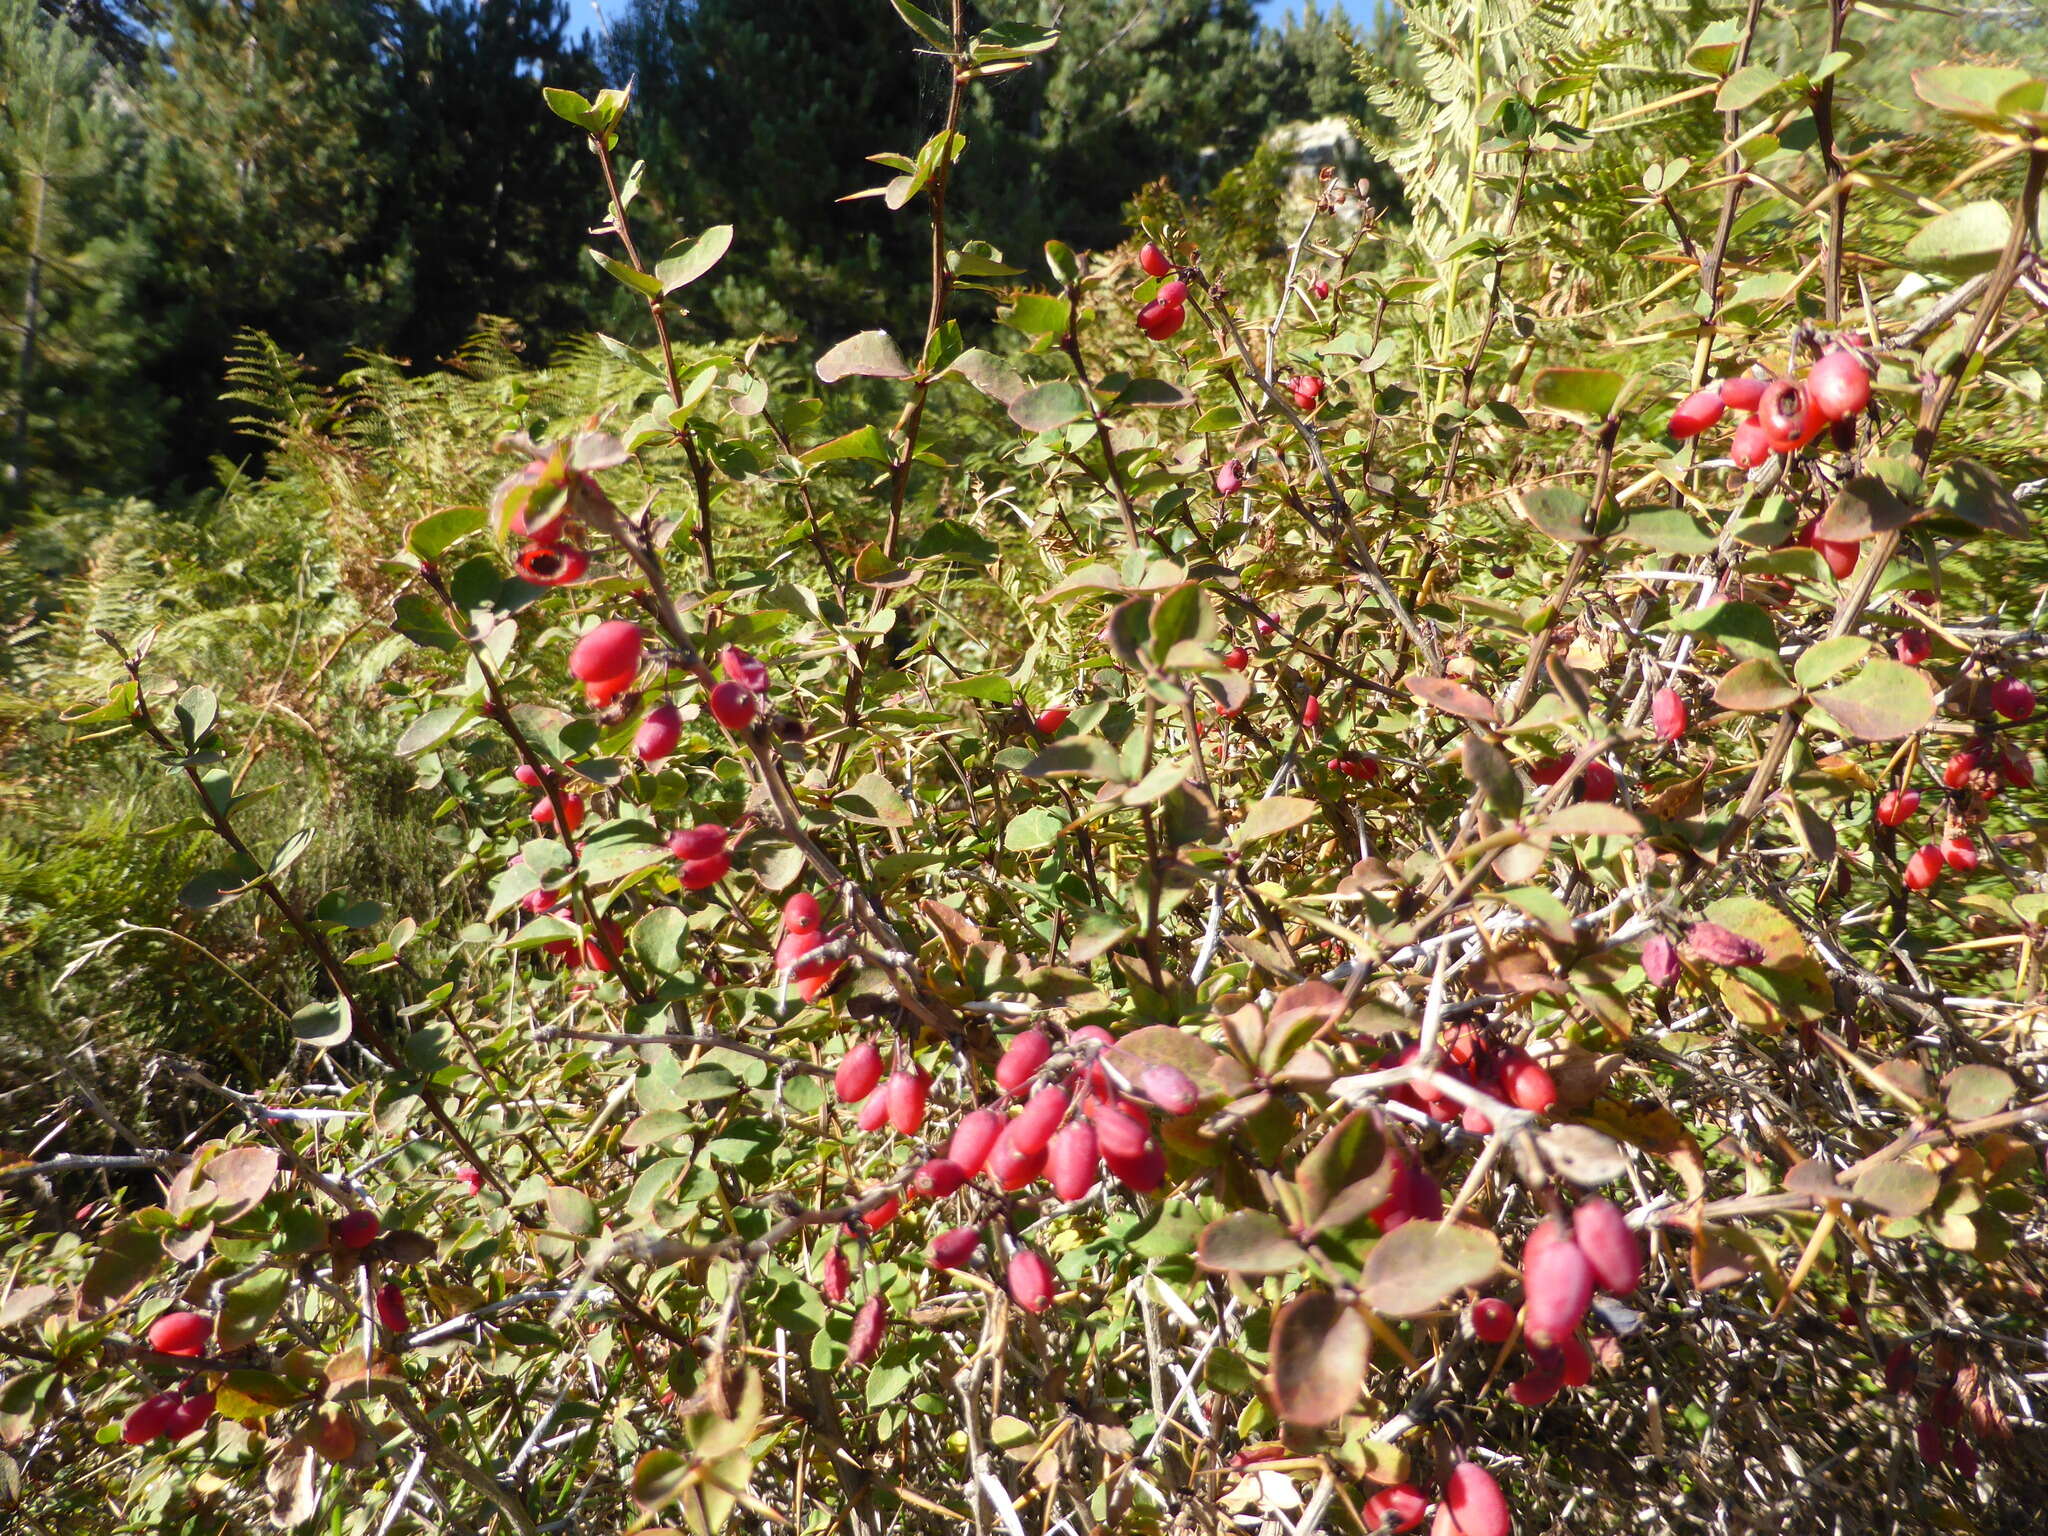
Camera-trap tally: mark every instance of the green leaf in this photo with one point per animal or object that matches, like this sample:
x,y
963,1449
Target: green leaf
x,y
658,938
1988,95
1742,629
874,801
1274,815
989,374
659,1478
1084,757
861,443
572,1211
323,1025
196,711
1755,687
1584,394
1974,494
431,729
1046,406
1976,1091
570,107
1248,1243
1039,314
1886,701
1829,659
1321,1348
1557,511
1417,1266
868,355
925,25
1864,507
1669,531
1713,51
1746,87
246,1308
421,621
697,257
434,533
1966,239
640,282
1061,262
1028,831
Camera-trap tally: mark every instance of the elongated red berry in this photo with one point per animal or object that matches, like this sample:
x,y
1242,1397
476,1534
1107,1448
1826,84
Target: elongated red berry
x,y
1669,715
543,812
908,1089
1153,260
1141,1174
149,1418
744,668
734,705
1229,477
1839,385
1577,1361
1557,1281
973,1139
937,1178
1320,288
869,1324
1492,1320
702,874
1395,1510
1472,1505
356,1229
1528,1084
1598,782
1697,412
879,1216
658,733
1901,1370
835,1276
1913,647
391,1307
182,1333
1840,554
1020,1062
874,1111
2012,698
1415,1197
1012,1167
1538,1385
610,650
1961,765
1073,1161
1923,869
528,776
189,1416
858,1072
1237,658
1174,294
1603,1236
2016,768
1751,445
698,842
1960,853
1311,713
1743,392
1171,1089
1660,960
1121,1128
1895,807
949,1250
1051,720
1041,1116
1160,321
1030,1280
1931,1442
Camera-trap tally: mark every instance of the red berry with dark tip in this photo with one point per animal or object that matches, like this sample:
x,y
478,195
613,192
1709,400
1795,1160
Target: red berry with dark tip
x,y
1153,260
702,874
1959,768
658,733
1051,720
734,705
182,1333
1960,853
1913,647
1011,1166
1697,412
1174,295
1751,445
1237,658
357,1229
2012,698
1395,1510
973,1139
1788,416
1839,385
949,1250
938,1178
1030,1280
1598,782
869,1324
878,1217
1557,1282
1493,1320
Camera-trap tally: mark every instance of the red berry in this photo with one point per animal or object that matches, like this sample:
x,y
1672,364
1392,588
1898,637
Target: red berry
x,y
1577,1363
604,690
1320,288
1473,1504
1923,868
734,705
183,1333
1557,1280
938,1178
356,1229
1395,1510
699,842
2012,698
1415,1197
2016,768
1073,1161
973,1138
1307,391
1932,1443
543,811
1033,1128
1030,1280
874,1111
1538,1385
869,1323
1840,554
1615,1252
1011,1166
1743,392
1959,769
878,1217
1160,321
1051,720
1153,260
949,1250
658,733
1229,478
149,1418
1527,1084
801,913
1961,854
1122,1128
1237,658
391,1307
1788,416
744,668
1311,713
610,650
530,777
1492,1319
907,1092
1962,1457
1895,807
1697,412
552,565
189,1416
1141,1174
1913,647
1597,782
1669,715
1170,1088
471,1180
1020,1063
702,874
1901,1370
835,1276
1173,295
1751,445
1839,385
858,1072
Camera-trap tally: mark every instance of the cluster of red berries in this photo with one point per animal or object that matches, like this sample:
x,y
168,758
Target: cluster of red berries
x,y
1472,1505
736,702
172,1416
1472,1057
803,931
1973,775
1598,782
606,660
1167,312
1306,390
549,558
1784,414
1937,1434
1563,1265
702,851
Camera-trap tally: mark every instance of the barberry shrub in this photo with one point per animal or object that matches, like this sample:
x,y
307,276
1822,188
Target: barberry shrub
x,y
1236,821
